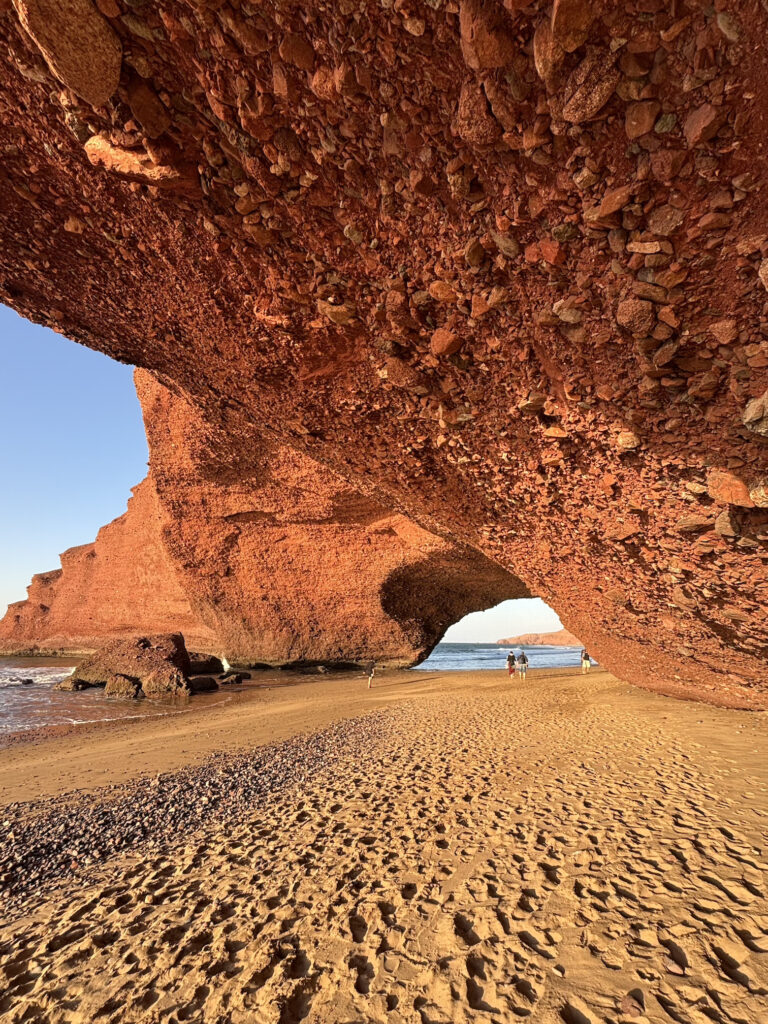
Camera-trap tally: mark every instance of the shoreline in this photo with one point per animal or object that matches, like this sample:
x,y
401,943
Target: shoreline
x,y
87,755
571,848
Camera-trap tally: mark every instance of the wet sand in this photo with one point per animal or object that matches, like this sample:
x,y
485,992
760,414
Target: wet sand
x,y
450,848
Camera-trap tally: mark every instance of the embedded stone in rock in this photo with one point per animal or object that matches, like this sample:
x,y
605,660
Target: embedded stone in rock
x,y
590,87
726,524
665,220
640,118
535,402
627,441
147,108
296,50
702,124
485,40
160,664
727,488
755,416
548,54
473,122
570,22
445,342
636,316
78,44
135,165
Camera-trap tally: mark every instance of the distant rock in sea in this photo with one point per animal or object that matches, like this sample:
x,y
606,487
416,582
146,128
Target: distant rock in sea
x,y
560,638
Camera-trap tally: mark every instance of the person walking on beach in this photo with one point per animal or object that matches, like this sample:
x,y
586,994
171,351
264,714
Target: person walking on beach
x,y
511,663
522,664
586,664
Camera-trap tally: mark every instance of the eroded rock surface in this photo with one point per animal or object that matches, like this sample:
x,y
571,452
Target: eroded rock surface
x,y
276,561
142,666
287,563
502,266
124,584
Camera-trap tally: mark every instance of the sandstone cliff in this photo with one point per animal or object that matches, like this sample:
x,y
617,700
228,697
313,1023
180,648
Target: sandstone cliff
x,y
121,585
288,563
560,638
502,266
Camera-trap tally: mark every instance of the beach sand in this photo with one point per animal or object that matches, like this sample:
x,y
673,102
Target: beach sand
x,y
446,847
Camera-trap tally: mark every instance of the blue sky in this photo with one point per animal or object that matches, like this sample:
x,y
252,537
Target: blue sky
x,y
72,447
510,618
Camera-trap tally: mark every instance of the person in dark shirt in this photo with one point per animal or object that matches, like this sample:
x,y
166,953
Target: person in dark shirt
x,y
522,664
511,663
586,664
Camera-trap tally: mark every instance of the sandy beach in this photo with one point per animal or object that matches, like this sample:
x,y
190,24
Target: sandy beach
x,y
453,847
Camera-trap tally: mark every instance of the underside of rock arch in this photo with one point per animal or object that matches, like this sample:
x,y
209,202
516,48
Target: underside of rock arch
x,y
501,266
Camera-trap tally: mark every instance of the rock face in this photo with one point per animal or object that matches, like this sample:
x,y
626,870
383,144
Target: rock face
x,y
281,563
287,563
144,666
122,585
560,638
365,179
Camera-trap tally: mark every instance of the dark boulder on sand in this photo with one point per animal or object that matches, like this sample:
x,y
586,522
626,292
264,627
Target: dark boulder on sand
x,y
202,684
155,666
231,677
205,664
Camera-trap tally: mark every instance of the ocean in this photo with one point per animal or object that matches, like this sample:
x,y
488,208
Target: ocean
x,y
29,701
455,657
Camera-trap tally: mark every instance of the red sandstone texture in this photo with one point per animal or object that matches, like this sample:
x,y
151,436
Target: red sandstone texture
x,y
286,563
560,638
121,585
501,266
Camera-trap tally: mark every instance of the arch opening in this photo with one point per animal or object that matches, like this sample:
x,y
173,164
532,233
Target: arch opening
x,y
482,639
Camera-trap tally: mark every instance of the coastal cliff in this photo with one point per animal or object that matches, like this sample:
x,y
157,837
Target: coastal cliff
x,y
121,585
501,267
277,561
560,638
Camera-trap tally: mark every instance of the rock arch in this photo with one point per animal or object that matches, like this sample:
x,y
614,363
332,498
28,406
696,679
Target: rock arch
x,y
503,264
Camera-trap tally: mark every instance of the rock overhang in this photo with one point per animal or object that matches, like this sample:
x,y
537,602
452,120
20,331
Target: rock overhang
x,y
397,241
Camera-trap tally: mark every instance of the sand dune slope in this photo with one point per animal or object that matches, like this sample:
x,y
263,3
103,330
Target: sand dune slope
x,y
575,854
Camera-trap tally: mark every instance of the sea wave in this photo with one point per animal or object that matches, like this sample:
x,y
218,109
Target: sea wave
x,y
47,676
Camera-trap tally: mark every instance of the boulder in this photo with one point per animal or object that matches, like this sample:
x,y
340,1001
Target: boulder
x,y
159,664
204,664
119,685
202,684
232,678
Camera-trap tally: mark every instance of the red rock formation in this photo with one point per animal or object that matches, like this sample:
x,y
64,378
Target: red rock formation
x,y
121,585
276,562
139,666
560,638
287,563
514,304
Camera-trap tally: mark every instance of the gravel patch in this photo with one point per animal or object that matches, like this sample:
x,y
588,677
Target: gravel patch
x,y
47,842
